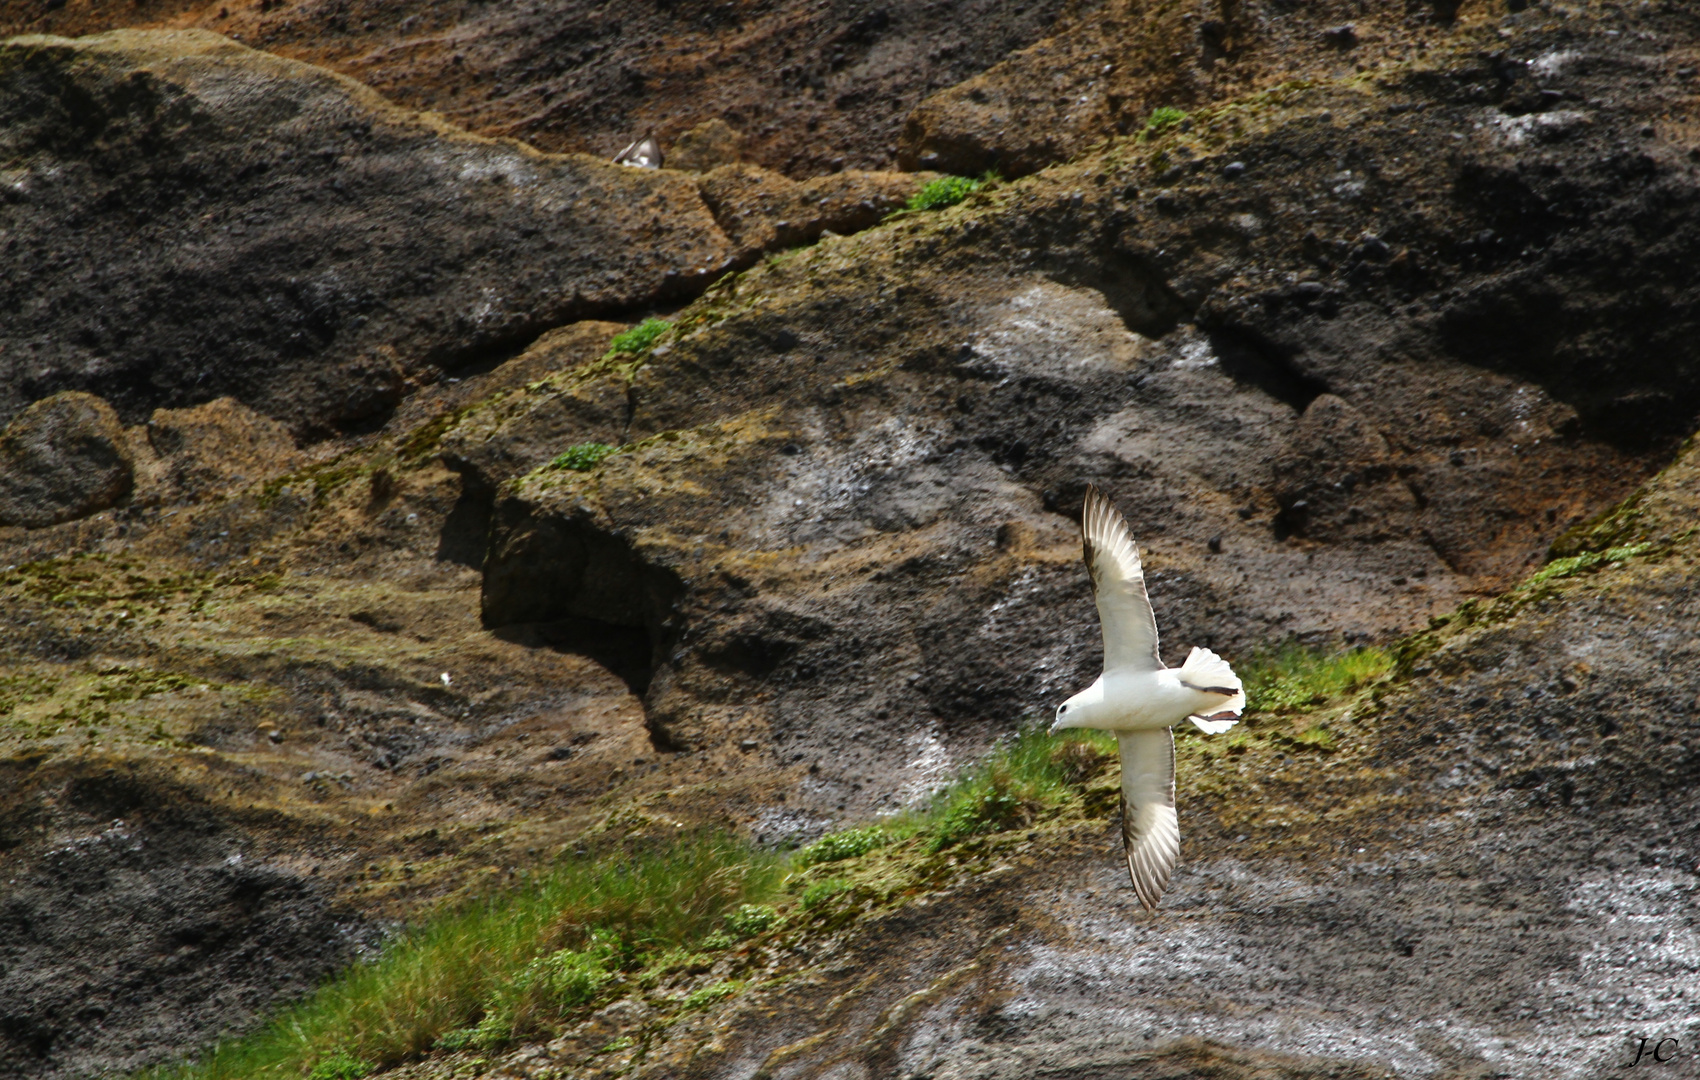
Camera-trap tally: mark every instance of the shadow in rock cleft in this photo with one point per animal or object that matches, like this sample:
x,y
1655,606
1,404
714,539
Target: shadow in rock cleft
x,y
465,532
564,582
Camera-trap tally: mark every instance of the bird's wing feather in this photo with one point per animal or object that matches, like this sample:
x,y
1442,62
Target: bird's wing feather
x,y
1118,580
1150,831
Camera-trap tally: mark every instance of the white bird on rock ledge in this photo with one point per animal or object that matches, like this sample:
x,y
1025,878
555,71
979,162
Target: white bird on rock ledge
x,y
1140,700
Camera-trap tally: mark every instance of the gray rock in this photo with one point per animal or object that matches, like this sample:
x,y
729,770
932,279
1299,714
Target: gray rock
x,y
63,458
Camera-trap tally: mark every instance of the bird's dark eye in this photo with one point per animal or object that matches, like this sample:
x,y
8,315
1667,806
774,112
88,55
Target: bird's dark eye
x,y
1063,709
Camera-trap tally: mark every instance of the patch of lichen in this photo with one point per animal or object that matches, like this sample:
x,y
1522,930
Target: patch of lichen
x,y
324,479
25,688
48,710
1620,526
663,463
420,443
98,580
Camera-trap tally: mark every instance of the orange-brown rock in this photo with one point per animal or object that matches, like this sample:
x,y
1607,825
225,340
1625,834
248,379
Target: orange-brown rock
x,y
760,210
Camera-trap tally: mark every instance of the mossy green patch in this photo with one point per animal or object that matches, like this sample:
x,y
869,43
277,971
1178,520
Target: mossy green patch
x,y
703,997
419,443
947,191
25,688
1162,119
822,891
324,478
748,920
846,844
340,1066
639,340
583,457
82,581
1293,678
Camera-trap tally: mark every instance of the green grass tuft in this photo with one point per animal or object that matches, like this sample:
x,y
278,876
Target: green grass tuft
x,y
1024,776
748,920
822,891
948,191
340,1066
1162,119
548,988
847,844
527,956
583,457
639,339
1295,679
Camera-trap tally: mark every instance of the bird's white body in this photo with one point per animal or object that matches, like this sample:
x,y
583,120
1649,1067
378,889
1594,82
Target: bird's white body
x,y
1137,701
1140,699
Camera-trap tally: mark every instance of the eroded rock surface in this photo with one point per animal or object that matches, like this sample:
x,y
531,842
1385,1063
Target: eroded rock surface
x,y
213,447
762,210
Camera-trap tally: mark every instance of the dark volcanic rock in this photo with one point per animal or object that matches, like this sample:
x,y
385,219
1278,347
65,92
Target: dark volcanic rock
x,y
134,923
1104,72
62,458
203,220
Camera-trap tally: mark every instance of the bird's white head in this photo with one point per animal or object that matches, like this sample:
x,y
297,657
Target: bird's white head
x,y
1078,710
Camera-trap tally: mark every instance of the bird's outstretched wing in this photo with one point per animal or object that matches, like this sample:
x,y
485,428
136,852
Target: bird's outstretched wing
x,y
1150,830
1124,608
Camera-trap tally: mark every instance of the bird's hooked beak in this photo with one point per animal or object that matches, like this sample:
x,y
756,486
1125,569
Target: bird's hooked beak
x,y
1057,724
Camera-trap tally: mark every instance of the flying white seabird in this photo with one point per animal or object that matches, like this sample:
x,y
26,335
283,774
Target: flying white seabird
x,y
1140,700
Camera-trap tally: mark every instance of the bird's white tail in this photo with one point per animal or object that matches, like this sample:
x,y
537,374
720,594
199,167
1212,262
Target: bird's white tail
x,y
1204,670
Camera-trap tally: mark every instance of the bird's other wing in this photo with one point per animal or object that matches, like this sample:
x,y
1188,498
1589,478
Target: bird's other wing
x,y
1150,831
1118,580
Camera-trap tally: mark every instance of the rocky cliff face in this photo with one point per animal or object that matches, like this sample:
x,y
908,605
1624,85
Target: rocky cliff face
x,y
325,627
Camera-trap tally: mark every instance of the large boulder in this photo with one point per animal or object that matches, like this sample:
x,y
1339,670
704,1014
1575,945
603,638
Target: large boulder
x,y
64,457
204,220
